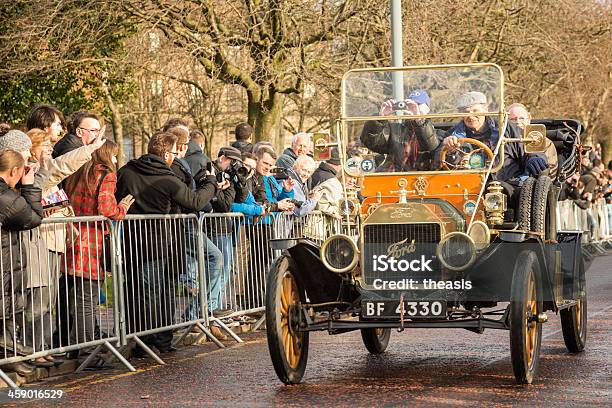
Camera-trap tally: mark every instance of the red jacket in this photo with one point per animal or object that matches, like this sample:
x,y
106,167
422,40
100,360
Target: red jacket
x,y
83,258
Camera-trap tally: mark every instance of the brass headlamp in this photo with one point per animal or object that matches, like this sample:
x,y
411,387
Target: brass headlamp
x,y
495,203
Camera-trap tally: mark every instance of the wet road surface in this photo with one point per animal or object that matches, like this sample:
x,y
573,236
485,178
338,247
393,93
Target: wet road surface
x,y
420,368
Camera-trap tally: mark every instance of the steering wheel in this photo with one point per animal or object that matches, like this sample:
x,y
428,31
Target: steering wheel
x,y
465,155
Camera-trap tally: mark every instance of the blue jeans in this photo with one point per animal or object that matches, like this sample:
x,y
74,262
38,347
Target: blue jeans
x,y
212,269
218,288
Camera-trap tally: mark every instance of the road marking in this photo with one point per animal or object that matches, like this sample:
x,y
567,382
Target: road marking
x,y
88,379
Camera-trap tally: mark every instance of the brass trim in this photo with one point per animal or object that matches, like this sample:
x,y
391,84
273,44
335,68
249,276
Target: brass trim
x,y
355,253
480,246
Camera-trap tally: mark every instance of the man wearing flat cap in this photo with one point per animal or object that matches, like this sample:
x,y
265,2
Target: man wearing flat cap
x,y
408,144
517,163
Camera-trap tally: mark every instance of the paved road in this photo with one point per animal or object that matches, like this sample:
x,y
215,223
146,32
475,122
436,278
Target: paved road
x,y
424,367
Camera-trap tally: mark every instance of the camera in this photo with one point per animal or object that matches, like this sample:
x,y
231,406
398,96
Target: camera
x,y
298,204
280,173
237,169
401,105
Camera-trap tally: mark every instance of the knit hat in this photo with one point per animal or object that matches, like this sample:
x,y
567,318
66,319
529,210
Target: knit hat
x,y
334,157
471,98
419,96
15,140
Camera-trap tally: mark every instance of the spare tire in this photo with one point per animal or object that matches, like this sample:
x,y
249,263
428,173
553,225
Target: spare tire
x,y
524,204
544,208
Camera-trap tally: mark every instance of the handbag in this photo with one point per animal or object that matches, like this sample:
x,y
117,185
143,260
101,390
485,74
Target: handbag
x,y
106,257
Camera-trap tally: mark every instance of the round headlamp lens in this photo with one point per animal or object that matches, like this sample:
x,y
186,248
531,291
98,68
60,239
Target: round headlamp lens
x,y
339,253
456,251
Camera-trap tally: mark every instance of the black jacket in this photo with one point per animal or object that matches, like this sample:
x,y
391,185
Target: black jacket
x,y
156,188
18,212
67,144
515,157
244,147
195,158
287,159
409,145
322,173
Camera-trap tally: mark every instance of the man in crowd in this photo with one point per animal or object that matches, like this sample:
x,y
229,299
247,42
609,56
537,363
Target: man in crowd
x,y
300,144
243,134
409,144
252,210
157,190
229,167
83,128
274,198
327,169
47,118
195,157
517,163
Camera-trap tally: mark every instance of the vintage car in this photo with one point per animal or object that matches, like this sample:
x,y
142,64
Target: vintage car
x,y
442,243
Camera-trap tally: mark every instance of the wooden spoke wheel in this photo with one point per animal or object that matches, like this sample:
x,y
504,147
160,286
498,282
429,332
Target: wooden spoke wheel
x,y
288,347
465,154
525,329
376,340
574,326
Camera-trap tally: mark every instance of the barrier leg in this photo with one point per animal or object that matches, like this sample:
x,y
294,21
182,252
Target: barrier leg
x,y
206,332
148,351
182,336
8,380
261,321
89,359
227,329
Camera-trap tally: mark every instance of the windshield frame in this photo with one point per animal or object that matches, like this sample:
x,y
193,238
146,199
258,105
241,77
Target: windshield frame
x,y
500,115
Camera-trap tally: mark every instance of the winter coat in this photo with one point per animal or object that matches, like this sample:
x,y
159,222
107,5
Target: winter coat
x,y
515,157
267,191
287,159
19,211
195,158
244,147
323,173
409,145
319,227
83,258
156,190
67,144
300,194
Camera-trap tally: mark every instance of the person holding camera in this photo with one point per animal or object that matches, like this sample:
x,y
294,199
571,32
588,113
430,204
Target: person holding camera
x,y
408,144
231,174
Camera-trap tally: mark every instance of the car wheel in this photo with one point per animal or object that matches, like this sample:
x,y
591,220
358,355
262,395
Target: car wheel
x,y
376,340
525,329
288,348
524,206
574,325
543,209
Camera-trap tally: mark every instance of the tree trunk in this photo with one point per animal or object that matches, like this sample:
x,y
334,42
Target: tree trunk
x,y
264,116
117,126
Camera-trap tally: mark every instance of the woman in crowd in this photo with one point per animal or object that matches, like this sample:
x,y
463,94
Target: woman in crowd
x,y
92,192
20,209
47,246
301,172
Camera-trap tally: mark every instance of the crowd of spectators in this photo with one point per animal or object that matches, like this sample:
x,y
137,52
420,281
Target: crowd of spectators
x,y
57,307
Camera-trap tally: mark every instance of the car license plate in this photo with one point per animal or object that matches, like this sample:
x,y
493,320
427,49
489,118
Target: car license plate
x,y
417,309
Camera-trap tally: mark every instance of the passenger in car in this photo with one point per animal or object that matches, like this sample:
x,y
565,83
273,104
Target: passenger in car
x,y
408,144
485,129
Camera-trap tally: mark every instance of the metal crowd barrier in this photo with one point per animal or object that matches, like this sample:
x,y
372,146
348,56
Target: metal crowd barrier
x,y
155,272
51,286
595,221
